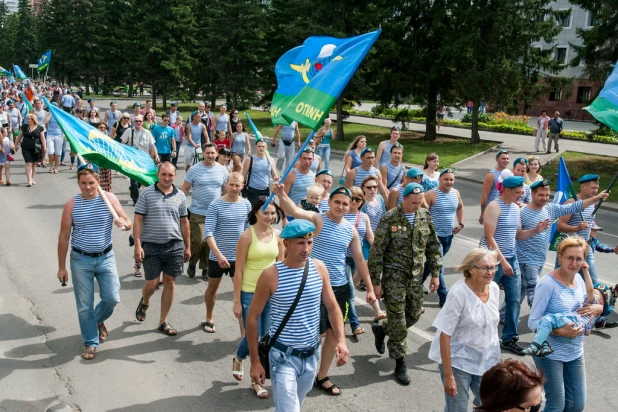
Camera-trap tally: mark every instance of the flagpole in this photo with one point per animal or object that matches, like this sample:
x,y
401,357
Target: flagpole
x,y
596,208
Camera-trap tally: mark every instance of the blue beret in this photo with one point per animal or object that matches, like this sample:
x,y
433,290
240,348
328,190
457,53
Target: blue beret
x,y
341,190
396,146
449,170
413,188
298,228
174,104
500,152
414,172
94,167
540,183
513,181
520,161
137,104
325,172
588,178
193,114
366,149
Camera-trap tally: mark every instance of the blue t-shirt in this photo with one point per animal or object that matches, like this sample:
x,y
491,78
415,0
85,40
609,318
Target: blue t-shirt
x,y
163,136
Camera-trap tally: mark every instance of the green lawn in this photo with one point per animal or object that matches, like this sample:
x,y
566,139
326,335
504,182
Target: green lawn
x,y
580,164
451,150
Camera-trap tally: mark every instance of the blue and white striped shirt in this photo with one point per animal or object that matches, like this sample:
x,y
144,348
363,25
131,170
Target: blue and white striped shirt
x,y
260,173
361,227
443,211
225,221
400,197
386,153
526,197
375,212
92,224
576,219
207,182
394,175
411,218
361,174
298,190
324,207
506,229
493,193
533,251
303,328
330,247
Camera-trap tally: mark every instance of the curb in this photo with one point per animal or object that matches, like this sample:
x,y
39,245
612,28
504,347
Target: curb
x,y
454,165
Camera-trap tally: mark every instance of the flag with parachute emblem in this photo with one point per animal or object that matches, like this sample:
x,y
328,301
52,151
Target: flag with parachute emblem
x,y
19,73
96,147
564,192
311,77
44,61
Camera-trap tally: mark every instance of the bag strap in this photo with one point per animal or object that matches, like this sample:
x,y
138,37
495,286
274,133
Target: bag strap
x,y
401,167
132,134
357,220
249,172
291,310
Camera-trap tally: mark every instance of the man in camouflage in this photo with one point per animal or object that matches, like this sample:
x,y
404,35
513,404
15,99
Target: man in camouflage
x,y
404,235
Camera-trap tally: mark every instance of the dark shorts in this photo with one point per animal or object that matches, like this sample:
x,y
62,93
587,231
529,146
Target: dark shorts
x,y
342,295
440,116
30,156
165,157
167,258
216,272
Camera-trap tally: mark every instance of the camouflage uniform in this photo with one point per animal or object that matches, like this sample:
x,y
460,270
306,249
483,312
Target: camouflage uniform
x,y
397,254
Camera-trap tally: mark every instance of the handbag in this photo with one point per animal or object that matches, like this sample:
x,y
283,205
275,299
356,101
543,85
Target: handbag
x,y
266,342
245,189
38,147
342,177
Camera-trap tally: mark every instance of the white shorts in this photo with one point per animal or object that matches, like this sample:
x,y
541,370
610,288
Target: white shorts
x,y
54,145
189,155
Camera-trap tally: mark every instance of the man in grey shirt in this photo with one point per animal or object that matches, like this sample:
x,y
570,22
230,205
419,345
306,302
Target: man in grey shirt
x,y
161,233
555,131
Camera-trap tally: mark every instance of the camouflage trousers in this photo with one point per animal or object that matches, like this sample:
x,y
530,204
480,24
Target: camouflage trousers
x,y
403,299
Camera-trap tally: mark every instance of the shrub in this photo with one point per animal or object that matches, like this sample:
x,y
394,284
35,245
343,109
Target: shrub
x,y
483,117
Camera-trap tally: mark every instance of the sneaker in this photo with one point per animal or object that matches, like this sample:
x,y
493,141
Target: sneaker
x,y
538,350
204,274
401,373
380,336
191,271
512,346
605,324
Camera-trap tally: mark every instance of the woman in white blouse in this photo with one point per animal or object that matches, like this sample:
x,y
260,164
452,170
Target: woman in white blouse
x,y
466,343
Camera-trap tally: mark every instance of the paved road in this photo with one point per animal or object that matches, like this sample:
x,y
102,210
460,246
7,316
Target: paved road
x,y
139,369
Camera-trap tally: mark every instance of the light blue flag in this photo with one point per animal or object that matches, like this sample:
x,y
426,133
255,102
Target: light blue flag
x,y
564,192
4,72
97,147
19,73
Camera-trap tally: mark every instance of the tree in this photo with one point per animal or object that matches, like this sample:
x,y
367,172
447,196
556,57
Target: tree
x,y
599,49
26,42
6,36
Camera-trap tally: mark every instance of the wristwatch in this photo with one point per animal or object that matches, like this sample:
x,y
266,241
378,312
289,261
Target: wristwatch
x,y
462,225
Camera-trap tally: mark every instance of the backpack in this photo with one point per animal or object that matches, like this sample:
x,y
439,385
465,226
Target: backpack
x,y
609,297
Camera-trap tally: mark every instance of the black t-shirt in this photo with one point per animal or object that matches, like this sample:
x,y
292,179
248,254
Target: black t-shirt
x,y
120,129
31,137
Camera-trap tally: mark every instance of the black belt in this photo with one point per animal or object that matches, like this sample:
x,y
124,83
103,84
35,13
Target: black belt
x,y
81,252
305,353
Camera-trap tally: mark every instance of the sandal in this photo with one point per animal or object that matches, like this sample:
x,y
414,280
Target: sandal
x,y
260,392
358,331
138,272
139,312
330,390
166,328
103,332
209,325
237,374
88,353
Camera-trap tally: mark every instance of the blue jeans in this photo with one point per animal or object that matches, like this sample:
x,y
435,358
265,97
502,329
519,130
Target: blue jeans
x,y
263,323
292,379
84,270
512,292
466,382
565,387
591,263
350,269
324,153
529,276
445,246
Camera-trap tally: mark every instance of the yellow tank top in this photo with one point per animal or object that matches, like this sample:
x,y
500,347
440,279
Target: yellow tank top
x,y
259,256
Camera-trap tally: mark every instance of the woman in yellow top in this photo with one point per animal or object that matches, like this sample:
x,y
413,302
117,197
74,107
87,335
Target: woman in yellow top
x,y
533,170
258,248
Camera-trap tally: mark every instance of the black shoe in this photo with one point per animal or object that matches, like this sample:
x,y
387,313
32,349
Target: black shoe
x,y
191,271
512,346
380,335
547,152
605,324
401,374
204,274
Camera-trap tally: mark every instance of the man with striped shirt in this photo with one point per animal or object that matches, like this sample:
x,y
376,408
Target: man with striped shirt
x,y
226,219
356,176
294,355
333,236
161,234
519,169
297,182
490,191
413,175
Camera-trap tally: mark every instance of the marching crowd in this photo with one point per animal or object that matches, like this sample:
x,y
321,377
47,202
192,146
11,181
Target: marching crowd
x,y
381,227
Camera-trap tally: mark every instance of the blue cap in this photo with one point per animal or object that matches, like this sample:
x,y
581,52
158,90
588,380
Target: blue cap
x,y
341,190
174,104
520,161
512,182
501,151
366,149
397,145
9,101
94,167
413,188
298,229
414,173
137,104
113,102
447,170
193,114
540,183
588,178
325,172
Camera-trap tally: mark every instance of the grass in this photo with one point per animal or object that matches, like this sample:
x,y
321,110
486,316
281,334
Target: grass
x,y
580,164
451,150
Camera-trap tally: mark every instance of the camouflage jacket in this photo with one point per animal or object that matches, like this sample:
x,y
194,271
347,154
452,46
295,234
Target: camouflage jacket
x,y
399,247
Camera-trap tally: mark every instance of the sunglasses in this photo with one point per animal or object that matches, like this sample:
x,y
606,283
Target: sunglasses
x,y
357,199
138,121
534,408
371,187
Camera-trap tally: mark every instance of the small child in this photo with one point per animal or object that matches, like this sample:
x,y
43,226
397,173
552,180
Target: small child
x,y
311,202
224,158
594,243
222,141
540,347
6,148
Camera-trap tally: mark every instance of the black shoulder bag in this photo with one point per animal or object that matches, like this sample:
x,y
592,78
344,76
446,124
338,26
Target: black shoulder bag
x,y
245,189
398,177
266,342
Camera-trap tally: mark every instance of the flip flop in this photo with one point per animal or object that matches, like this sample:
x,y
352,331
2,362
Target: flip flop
x,y
89,353
208,325
358,331
103,332
139,312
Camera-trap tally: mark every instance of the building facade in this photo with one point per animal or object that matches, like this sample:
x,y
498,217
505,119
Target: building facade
x,y
13,5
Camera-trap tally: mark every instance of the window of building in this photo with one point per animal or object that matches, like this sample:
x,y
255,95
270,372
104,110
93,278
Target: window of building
x,y
561,54
565,22
591,20
583,94
555,95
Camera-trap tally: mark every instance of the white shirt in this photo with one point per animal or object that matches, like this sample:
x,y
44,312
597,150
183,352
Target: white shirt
x,y
473,328
143,139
